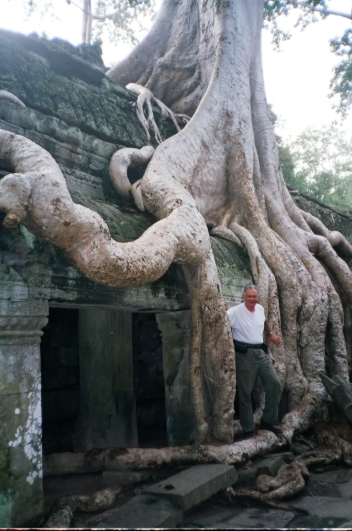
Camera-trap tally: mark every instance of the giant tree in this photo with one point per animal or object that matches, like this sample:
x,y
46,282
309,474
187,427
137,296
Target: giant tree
x,y
220,175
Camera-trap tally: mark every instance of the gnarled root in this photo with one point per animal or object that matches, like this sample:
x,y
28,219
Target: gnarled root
x,y
62,512
233,495
291,478
119,164
146,98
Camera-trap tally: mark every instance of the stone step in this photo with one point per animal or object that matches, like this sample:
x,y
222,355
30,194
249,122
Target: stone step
x,y
195,485
268,466
145,511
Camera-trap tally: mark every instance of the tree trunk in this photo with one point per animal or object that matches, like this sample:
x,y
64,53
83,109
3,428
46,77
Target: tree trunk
x,y
203,58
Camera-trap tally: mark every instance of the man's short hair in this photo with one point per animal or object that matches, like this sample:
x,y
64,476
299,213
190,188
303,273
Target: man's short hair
x,y
250,286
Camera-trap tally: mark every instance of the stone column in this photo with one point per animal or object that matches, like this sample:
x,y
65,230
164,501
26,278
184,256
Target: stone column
x,y
107,416
21,484
175,330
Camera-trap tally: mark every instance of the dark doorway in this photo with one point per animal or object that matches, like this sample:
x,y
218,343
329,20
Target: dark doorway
x,y
149,381
60,379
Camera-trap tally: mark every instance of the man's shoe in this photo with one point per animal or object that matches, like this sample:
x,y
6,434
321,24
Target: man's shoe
x,y
275,428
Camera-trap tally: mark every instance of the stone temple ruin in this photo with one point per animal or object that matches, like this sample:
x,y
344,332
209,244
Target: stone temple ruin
x,y
85,366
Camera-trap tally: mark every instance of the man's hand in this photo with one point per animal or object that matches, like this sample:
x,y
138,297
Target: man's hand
x,y
272,338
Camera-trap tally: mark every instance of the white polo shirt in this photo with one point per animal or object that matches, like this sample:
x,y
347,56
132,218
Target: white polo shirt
x,y
247,326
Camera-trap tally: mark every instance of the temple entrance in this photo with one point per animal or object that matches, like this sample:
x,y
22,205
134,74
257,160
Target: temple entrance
x,y
102,380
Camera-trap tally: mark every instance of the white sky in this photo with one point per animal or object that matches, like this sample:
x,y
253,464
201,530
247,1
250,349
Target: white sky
x,y
297,78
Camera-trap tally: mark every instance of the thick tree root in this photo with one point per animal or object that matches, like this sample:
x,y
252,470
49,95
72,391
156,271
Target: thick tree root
x,y
140,458
233,495
62,512
291,478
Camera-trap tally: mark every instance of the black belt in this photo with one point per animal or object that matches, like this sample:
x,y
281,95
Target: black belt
x,y
242,347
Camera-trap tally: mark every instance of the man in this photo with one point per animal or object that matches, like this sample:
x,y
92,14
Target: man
x,y
248,322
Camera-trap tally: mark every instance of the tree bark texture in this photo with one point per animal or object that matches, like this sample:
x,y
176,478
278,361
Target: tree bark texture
x,y
221,172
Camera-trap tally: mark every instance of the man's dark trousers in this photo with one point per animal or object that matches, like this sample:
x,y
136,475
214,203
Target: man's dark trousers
x,y
253,363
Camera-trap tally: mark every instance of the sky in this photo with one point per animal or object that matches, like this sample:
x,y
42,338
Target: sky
x,y
296,78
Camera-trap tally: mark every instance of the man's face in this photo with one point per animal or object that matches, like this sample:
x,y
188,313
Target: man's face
x,y
251,299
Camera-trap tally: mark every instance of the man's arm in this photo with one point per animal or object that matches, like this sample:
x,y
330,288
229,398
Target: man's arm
x,y
270,336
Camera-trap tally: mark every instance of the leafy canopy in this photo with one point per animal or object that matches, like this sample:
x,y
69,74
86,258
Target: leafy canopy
x,y
116,20
319,163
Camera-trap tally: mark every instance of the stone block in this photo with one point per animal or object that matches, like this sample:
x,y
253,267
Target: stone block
x,y
21,496
20,368
310,503
346,489
20,419
145,511
195,485
268,466
111,477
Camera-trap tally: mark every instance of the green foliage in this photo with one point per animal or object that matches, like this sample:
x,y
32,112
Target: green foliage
x,y
319,163
274,10
341,83
128,20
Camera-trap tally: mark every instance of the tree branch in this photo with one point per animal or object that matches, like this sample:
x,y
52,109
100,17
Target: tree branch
x,y
108,15
322,10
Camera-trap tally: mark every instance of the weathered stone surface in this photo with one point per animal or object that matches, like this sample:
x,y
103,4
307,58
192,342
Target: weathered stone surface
x,y
345,489
268,466
257,518
145,511
41,85
310,503
328,515
21,499
111,477
212,517
195,485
